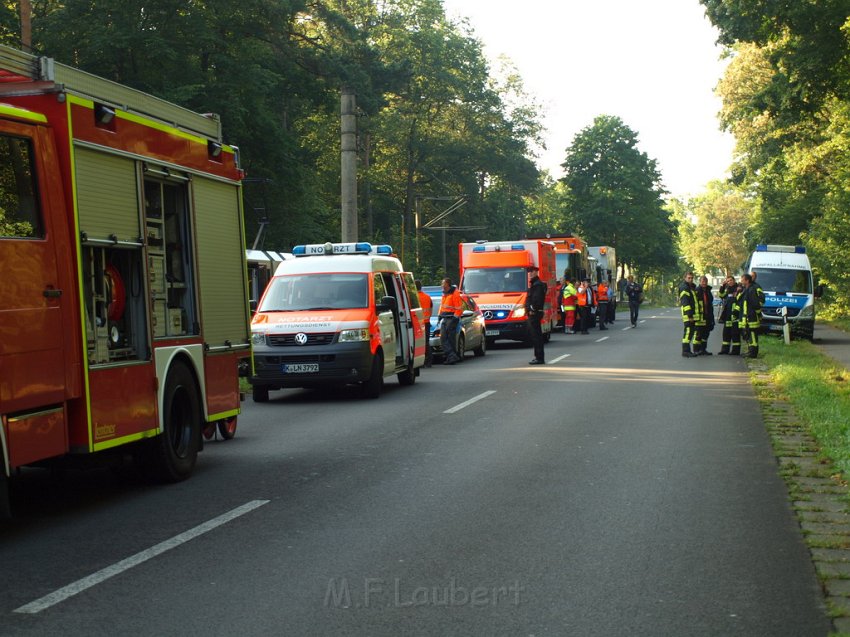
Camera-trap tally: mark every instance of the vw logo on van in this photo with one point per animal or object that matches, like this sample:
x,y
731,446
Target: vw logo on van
x,y
301,338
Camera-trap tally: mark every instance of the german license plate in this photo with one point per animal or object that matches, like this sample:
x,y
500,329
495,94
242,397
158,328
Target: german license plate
x,y
491,332
300,368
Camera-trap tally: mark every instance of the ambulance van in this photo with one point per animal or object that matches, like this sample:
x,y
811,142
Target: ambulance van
x,y
785,275
337,314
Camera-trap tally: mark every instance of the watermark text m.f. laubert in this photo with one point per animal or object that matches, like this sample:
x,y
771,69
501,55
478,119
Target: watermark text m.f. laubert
x,y
341,592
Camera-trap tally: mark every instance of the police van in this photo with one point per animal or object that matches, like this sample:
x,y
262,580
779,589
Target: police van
x,y
337,314
785,275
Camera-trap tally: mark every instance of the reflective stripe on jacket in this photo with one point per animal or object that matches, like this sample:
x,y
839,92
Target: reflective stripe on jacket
x,y
451,303
427,304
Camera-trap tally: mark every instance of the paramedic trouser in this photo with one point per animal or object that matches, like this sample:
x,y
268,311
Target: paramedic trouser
x,y
448,337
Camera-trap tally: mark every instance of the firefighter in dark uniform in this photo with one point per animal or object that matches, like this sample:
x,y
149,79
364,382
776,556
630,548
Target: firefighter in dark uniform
x,y
688,305
535,299
731,343
750,317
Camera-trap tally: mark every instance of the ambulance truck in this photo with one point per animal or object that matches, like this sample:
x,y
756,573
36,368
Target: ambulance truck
x,y
494,274
123,305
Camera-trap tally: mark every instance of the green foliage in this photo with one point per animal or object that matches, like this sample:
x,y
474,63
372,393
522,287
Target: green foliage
x,y
433,121
614,195
713,226
785,98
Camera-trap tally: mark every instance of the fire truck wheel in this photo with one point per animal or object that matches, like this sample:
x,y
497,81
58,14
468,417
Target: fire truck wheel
x,y
408,376
373,385
174,452
208,430
260,394
227,428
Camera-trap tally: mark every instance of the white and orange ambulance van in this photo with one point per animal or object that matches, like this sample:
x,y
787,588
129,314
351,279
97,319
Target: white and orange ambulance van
x,y
337,314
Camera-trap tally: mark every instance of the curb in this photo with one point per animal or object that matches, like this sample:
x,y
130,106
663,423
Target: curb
x,y
818,494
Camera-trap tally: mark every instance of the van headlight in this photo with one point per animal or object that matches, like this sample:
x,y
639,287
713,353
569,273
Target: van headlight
x,y
518,313
258,338
354,336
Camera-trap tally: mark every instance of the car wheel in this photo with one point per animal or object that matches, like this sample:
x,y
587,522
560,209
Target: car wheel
x,y
482,347
461,345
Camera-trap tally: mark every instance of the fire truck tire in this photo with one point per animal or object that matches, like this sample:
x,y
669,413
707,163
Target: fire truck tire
x,y
372,386
260,394
174,452
227,428
408,376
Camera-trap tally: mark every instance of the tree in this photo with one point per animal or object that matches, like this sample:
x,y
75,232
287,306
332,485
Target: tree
x,y
614,194
718,222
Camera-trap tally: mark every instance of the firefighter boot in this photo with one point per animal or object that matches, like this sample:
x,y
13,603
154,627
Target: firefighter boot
x,y
735,350
753,351
686,351
724,349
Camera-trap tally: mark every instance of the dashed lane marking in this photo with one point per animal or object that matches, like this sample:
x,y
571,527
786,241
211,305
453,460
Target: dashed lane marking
x,y
104,574
467,403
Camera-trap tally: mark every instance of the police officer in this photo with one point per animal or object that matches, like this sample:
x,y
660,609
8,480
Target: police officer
x,y
535,299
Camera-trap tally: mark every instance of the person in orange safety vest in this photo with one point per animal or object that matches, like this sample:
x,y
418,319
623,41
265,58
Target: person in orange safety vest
x,y
602,294
451,309
427,311
586,299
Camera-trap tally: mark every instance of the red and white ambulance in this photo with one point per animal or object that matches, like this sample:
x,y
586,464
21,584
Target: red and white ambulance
x,y
337,314
494,274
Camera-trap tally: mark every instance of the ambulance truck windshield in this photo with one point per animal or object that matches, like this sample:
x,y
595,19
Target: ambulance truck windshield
x,y
782,280
300,292
483,280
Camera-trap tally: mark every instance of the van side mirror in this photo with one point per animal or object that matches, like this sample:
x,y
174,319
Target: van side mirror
x,y
387,304
818,291
252,304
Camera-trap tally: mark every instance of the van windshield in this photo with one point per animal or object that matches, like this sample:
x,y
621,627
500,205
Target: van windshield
x,y
482,280
296,292
782,280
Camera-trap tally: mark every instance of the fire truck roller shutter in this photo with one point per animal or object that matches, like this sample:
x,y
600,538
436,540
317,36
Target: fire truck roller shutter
x,y
221,262
107,195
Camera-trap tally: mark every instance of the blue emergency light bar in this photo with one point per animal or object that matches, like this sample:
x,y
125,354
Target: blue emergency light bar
x,y
327,249
498,248
763,247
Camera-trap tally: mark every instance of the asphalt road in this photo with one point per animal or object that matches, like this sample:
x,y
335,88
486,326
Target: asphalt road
x,y
620,490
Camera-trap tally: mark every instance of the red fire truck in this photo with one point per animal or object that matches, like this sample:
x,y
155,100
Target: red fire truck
x,y
123,305
494,274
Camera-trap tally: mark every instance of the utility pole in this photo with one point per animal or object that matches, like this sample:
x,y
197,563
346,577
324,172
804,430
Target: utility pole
x,y
26,26
348,125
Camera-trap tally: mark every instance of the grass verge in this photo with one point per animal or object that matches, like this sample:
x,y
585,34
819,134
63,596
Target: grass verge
x,y
819,390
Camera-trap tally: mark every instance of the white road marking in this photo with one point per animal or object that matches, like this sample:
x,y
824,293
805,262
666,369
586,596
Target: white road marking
x,y
604,338
104,574
559,359
642,321
457,408
626,328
